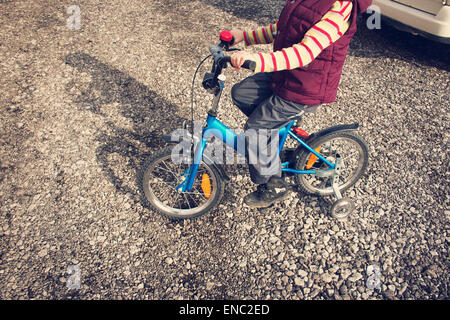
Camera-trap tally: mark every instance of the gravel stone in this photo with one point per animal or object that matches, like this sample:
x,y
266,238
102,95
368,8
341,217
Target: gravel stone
x,y
299,282
43,253
82,109
302,273
326,278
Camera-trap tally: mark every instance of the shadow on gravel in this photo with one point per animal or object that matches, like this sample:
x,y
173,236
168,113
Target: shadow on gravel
x,y
150,115
256,10
389,42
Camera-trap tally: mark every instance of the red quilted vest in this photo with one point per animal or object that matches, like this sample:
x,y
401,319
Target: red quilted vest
x,y
318,82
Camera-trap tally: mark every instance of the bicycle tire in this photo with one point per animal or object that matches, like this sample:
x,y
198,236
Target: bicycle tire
x,y
151,199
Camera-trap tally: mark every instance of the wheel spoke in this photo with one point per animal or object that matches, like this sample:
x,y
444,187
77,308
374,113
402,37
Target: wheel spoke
x,y
170,170
187,201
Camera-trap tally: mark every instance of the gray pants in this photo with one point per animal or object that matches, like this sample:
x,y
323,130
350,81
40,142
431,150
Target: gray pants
x,y
266,114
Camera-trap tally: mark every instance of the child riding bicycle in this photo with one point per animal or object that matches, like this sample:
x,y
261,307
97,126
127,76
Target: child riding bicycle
x,y
311,40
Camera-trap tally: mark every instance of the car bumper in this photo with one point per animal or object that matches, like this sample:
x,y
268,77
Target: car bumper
x,y
436,27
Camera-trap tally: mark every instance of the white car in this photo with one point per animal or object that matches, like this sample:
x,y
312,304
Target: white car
x,y
428,18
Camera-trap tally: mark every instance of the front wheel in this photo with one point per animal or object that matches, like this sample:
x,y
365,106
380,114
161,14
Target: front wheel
x,y
160,181
355,159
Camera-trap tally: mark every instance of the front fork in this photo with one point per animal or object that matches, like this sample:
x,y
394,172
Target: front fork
x,y
201,145
192,171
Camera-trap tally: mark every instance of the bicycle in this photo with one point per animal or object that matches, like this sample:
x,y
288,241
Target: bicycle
x,y
324,163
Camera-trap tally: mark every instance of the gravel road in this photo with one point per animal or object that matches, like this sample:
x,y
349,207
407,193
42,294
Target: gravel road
x,y
82,109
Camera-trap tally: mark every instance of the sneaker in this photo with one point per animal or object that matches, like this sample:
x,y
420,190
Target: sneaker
x,y
276,182
267,194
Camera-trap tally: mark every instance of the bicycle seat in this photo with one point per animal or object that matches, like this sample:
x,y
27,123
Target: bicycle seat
x,y
308,109
297,118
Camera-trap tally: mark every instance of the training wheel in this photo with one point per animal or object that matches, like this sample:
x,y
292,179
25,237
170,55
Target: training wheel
x,y
342,208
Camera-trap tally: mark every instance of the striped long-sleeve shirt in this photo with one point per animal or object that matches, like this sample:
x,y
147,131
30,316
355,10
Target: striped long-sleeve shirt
x,y
327,31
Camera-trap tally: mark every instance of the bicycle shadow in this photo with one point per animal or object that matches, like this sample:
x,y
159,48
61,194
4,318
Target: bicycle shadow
x,y
144,108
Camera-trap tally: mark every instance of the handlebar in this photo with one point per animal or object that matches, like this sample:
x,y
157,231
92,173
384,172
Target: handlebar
x,y
211,79
226,41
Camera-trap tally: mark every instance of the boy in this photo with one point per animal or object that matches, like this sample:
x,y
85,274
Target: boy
x,y
311,40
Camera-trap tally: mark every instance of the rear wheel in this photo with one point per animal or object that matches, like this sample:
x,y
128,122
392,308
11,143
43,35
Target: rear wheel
x,y
161,178
355,158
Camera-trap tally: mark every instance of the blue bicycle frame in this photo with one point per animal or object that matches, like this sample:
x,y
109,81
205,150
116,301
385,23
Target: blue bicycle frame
x,y
216,128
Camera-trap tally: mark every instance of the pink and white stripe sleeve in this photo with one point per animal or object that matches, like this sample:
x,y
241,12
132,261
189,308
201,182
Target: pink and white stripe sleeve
x,y
327,31
262,35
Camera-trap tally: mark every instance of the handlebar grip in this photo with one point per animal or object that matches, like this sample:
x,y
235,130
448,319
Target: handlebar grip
x,y
248,64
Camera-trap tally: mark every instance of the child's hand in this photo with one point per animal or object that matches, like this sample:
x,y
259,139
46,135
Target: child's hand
x,y
238,58
238,36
